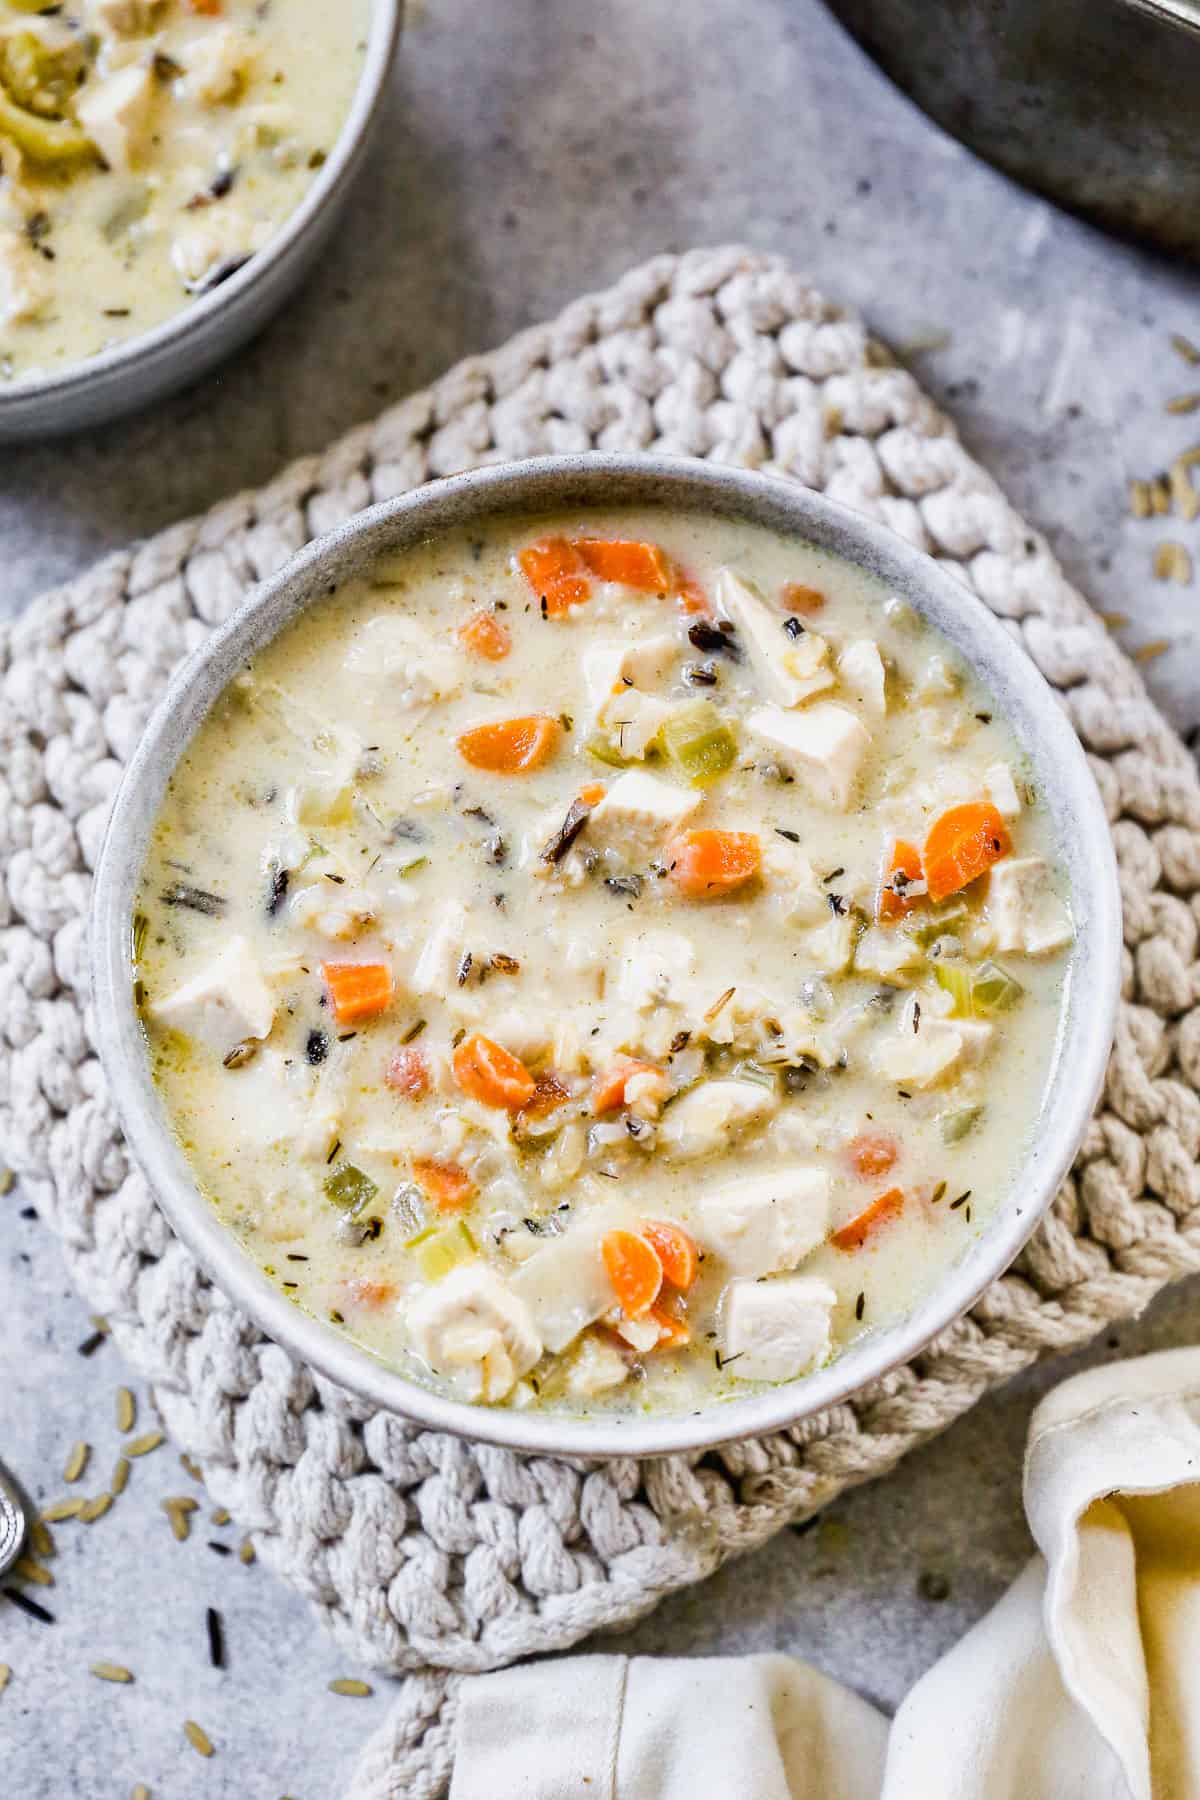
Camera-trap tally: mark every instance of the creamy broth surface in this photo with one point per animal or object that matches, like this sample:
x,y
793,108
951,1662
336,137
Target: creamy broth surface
x,y
148,149
643,1051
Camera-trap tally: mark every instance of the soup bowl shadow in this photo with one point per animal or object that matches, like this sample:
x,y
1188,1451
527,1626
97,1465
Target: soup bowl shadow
x,y
1080,829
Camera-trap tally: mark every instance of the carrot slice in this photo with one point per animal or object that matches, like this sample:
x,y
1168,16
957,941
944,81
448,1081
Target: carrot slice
x,y
593,793
486,636
634,1270
673,1332
854,1235
357,990
510,746
362,1291
446,1183
487,1072
407,1073
641,566
962,845
800,599
557,574
676,1251
608,1090
905,860
692,597
872,1153
705,864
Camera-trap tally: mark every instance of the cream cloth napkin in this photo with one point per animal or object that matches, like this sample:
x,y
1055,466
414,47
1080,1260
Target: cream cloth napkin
x,y
1083,1683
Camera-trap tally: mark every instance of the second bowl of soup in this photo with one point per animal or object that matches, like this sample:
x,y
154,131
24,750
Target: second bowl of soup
x,y
594,952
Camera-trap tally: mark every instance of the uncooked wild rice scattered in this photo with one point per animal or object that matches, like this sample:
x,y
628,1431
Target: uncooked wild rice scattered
x,y
1160,495
25,1569
220,1516
126,1410
1147,652
62,1509
120,1475
142,1446
77,1461
1172,563
1184,347
91,1510
6,1181
192,1468
197,1737
140,1792
41,1539
1140,504
5,1676
246,1551
106,1671
177,1509
1183,403
356,1690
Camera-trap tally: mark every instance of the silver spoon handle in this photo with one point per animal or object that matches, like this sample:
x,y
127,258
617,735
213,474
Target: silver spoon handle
x,y
13,1522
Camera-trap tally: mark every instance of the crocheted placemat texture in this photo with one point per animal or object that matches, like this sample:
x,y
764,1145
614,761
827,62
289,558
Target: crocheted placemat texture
x,y
425,1552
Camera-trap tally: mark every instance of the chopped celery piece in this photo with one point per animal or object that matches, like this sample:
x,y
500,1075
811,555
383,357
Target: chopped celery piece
x,y
606,752
410,868
441,1251
955,977
755,1072
994,989
42,140
927,926
349,1188
956,1125
699,742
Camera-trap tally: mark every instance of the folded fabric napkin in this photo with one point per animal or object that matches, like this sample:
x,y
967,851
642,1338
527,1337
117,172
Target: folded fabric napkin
x,y
1081,1684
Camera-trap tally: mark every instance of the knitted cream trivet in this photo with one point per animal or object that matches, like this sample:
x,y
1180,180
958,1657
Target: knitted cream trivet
x,y
424,1551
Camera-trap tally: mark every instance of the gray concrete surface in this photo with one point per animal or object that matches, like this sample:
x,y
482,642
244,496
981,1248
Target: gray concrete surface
x,y
534,150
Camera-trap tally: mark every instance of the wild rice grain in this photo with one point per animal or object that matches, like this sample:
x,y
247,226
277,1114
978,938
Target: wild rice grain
x,y
193,1469
1140,504
355,1690
1147,652
28,1605
25,1569
220,1516
1183,403
126,1410
120,1475
5,1676
1172,563
7,1178
77,1462
1184,347
177,1510
140,1793
91,1510
199,1739
216,1637
41,1539
106,1671
142,1446
246,1551
62,1509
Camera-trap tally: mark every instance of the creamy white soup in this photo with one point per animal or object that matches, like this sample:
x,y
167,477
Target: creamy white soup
x,y
610,961
148,149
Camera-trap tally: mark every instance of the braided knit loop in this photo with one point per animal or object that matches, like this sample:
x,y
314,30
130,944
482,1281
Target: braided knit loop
x,y
422,1551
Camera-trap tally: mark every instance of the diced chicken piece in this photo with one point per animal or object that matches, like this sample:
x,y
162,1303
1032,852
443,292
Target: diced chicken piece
x,y
791,877
325,799
24,288
831,945
336,912
319,1133
762,1224
658,968
631,720
861,671
1000,788
793,1134
919,1059
640,1334
614,664
437,966
1026,914
224,1003
474,1330
597,1366
215,245
117,114
886,953
776,1329
127,18
566,1286
638,813
711,1115
790,669
825,744
219,65
395,657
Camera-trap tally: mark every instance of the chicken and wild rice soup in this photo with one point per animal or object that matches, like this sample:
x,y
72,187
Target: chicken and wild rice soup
x,y
148,148
604,962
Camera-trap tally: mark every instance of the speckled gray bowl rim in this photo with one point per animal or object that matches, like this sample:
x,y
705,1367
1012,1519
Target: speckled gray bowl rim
x,y
552,483
169,340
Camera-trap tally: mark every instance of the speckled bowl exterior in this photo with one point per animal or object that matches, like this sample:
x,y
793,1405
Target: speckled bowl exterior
x,y
188,345
1041,727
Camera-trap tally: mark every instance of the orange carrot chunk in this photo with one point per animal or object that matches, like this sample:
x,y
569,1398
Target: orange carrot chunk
x,y
608,1090
692,597
487,1072
357,990
447,1184
634,1270
872,1153
593,793
676,1251
557,574
673,1332
485,636
407,1073
962,845
905,861
854,1235
641,566
510,746
362,1291
800,599
706,864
